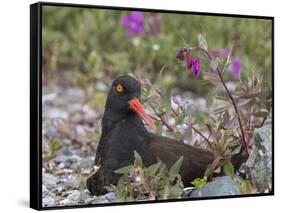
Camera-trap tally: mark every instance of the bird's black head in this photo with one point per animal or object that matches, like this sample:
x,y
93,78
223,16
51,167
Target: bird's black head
x,y
123,89
123,99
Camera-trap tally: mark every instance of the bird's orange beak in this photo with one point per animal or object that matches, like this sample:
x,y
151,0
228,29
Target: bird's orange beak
x,y
137,107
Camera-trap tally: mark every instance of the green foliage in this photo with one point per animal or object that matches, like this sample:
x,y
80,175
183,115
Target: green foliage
x,y
228,168
55,145
200,182
245,186
175,169
151,170
202,41
154,182
138,160
124,170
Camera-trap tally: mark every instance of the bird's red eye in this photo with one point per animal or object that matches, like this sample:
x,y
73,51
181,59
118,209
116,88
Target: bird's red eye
x,y
120,88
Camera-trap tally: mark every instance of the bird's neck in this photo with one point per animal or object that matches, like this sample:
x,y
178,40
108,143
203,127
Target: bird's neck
x,y
111,119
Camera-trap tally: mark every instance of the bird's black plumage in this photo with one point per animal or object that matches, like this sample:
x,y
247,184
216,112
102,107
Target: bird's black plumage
x,y
123,132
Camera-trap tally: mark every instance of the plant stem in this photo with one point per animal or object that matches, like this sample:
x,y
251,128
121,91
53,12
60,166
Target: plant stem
x,y
236,111
177,115
196,130
171,129
232,100
163,120
206,139
165,123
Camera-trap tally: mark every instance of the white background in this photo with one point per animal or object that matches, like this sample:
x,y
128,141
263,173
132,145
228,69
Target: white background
x,y
14,105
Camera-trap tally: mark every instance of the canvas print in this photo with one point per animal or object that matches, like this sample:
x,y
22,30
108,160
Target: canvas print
x,y
144,105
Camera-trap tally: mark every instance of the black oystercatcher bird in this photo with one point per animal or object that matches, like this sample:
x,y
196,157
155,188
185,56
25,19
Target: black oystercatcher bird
x,y
123,132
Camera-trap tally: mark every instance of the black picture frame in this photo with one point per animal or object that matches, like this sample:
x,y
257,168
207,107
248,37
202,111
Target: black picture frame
x,y
36,101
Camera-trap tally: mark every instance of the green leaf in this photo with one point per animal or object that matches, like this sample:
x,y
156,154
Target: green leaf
x,y
138,160
228,168
160,184
214,64
180,120
210,97
174,170
151,170
243,102
246,187
261,114
124,170
199,182
199,116
110,188
236,150
220,110
226,117
175,192
202,83
167,99
222,98
209,170
123,180
212,78
178,136
232,123
202,41
243,187
55,145
162,169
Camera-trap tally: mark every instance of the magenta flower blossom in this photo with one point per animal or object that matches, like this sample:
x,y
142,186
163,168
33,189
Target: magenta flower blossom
x,y
236,68
221,53
235,65
196,63
224,52
180,54
134,24
193,64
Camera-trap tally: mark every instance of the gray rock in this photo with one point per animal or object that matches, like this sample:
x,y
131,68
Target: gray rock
x,y
110,196
63,158
48,98
56,113
74,195
101,86
87,163
74,91
72,198
45,191
100,199
49,179
65,151
57,191
221,186
69,181
85,197
51,131
48,201
78,152
259,165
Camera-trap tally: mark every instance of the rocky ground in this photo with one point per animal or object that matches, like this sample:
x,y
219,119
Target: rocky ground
x,y
70,134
